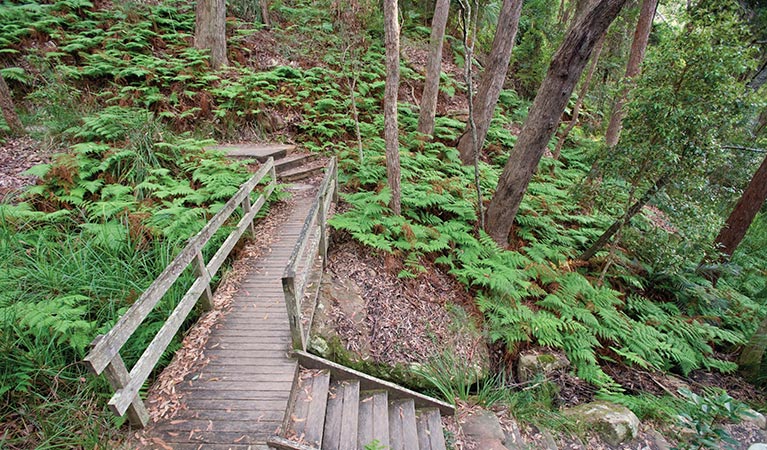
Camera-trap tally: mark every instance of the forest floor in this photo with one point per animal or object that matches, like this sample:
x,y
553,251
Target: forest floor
x,y
16,156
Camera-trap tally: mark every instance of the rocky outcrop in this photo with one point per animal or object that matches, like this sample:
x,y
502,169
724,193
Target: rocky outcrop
x,y
613,423
534,365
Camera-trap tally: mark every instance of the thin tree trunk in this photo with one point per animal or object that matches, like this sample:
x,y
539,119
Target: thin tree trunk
x,y
736,226
433,68
753,353
581,96
210,30
547,108
265,13
391,129
493,77
636,56
630,213
9,111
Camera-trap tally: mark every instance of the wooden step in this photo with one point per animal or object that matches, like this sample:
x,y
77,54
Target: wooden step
x,y
305,171
430,434
259,152
292,161
342,414
307,420
373,422
403,432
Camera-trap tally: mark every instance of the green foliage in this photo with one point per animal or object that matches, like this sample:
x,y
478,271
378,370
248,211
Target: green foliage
x,y
702,415
456,379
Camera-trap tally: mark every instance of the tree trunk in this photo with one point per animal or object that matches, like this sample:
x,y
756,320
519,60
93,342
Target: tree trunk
x,y
547,108
210,30
581,96
493,77
433,68
636,56
265,13
9,111
391,129
618,224
734,229
753,353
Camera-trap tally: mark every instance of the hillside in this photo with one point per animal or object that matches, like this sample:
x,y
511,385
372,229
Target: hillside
x,y
113,175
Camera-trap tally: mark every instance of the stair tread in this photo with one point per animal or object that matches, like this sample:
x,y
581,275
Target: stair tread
x,y
342,416
304,170
403,432
308,417
430,434
373,422
291,160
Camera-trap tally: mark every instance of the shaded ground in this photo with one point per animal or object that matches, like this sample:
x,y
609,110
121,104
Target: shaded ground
x,y
16,156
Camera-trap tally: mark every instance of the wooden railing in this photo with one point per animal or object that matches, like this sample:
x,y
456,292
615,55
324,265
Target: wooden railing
x,y
104,356
304,270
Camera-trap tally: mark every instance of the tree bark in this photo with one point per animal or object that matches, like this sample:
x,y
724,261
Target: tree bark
x,y
581,96
433,68
736,226
265,13
210,30
760,77
753,353
493,77
9,111
630,213
547,108
391,129
636,56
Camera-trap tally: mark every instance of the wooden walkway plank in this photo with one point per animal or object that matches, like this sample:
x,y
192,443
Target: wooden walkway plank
x,y
238,400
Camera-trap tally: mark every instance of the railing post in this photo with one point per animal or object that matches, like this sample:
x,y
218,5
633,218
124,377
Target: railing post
x,y
294,312
335,181
274,174
246,207
323,230
118,377
206,299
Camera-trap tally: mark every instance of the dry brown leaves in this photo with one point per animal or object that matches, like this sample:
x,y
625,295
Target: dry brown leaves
x,y
407,319
16,156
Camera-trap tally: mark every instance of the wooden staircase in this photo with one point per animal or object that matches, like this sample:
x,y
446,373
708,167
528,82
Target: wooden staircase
x,y
333,407
290,164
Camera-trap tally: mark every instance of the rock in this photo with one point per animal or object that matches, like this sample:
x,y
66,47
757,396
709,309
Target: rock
x,y
531,365
270,121
551,443
490,444
514,439
758,447
482,425
756,418
613,423
660,442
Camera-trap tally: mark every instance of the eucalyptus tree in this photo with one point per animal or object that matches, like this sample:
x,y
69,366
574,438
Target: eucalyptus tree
x,y
638,48
433,68
210,30
492,79
547,108
391,129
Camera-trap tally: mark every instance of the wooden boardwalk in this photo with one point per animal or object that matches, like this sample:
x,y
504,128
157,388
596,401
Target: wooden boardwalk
x,y
239,399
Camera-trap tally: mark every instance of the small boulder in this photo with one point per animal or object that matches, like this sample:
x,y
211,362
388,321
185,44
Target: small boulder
x,y
483,425
758,447
613,423
490,444
532,365
756,418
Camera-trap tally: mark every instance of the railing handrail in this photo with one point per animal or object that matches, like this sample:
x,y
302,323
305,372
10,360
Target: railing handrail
x,y
105,352
318,212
